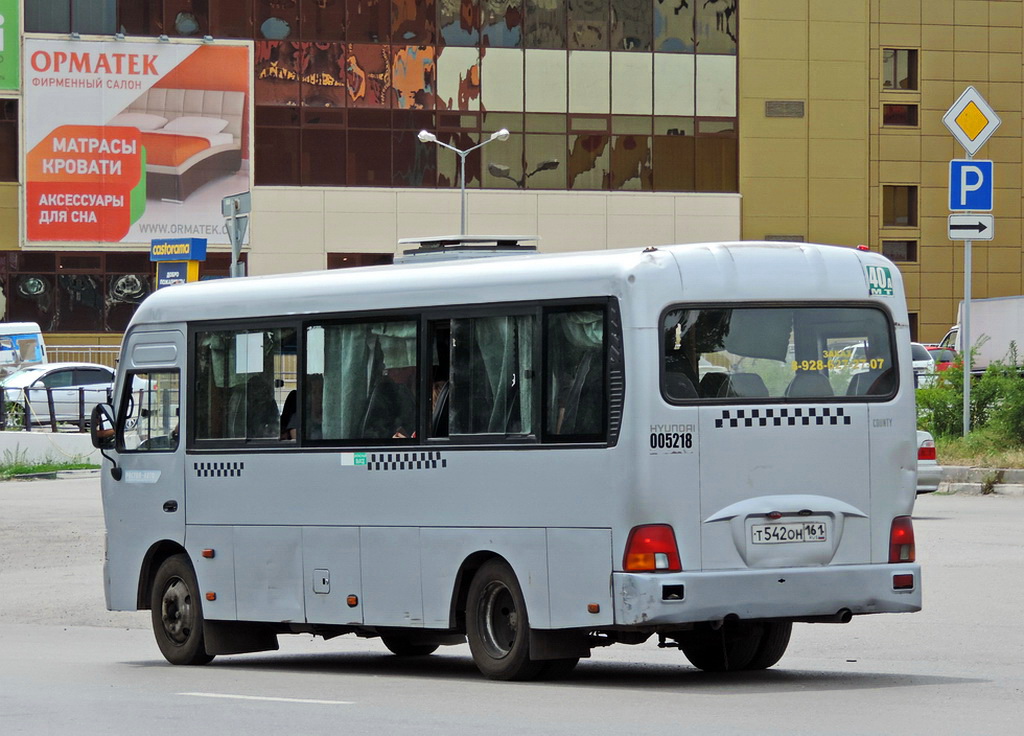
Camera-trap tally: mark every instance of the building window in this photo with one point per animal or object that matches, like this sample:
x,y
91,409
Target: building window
x,y
84,291
8,140
899,115
899,205
900,250
67,16
899,69
352,260
913,326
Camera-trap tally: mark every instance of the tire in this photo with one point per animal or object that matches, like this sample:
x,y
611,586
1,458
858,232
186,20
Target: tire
x,y
402,646
15,415
177,613
731,647
774,641
497,624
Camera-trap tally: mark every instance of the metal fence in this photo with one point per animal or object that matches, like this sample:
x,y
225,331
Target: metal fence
x,y
36,409
102,354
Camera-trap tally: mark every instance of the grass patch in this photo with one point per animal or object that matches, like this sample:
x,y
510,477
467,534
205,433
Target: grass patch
x,y
982,448
16,462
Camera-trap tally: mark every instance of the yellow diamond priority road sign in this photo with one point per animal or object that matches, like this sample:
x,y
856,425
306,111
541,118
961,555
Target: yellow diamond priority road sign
x,y
971,120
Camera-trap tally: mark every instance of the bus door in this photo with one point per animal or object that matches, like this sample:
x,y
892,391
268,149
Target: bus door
x,y
151,503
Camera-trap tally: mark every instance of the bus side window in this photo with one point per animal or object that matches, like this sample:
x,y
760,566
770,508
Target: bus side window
x,y
149,413
576,377
361,381
242,381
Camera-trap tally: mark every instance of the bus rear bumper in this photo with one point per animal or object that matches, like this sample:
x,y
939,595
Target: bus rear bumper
x,y
643,599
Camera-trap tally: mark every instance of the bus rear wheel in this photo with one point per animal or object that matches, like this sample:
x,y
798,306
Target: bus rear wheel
x,y
497,624
402,646
177,613
732,646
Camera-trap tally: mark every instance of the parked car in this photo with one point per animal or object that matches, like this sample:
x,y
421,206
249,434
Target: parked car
x,y
929,472
943,357
76,388
924,365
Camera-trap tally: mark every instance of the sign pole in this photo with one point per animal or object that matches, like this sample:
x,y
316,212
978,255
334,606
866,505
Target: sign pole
x,y
972,121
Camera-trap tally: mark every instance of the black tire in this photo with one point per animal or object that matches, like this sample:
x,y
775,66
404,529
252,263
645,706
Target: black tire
x,y
497,624
774,641
177,613
15,415
556,669
730,647
402,646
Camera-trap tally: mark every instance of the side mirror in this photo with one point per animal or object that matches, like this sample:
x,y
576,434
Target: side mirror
x,y
101,427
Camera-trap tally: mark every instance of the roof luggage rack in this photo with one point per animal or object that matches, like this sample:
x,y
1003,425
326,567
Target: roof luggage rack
x,y
453,247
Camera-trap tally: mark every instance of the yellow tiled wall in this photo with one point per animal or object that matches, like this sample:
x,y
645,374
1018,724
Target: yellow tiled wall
x,y
821,176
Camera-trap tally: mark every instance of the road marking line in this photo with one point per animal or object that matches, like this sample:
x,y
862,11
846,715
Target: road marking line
x,y
304,701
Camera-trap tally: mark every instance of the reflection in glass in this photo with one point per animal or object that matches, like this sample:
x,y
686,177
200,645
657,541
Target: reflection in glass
x,y
631,24
368,75
413,77
277,19
674,163
413,21
369,158
631,163
415,164
673,25
459,21
79,303
717,164
323,20
539,149
323,157
545,24
501,22
589,161
276,73
588,24
369,21
323,79
716,26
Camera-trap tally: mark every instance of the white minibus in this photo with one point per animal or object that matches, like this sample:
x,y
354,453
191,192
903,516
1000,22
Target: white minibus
x,y
538,453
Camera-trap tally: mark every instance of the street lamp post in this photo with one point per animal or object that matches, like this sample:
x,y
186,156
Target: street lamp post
x,y
426,136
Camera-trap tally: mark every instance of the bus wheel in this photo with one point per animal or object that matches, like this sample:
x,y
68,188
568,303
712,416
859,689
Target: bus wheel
x,y
177,613
405,647
774,641
731,647
497,625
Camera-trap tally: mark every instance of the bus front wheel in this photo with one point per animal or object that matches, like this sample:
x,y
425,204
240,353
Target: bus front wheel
x,y
177,613
497,624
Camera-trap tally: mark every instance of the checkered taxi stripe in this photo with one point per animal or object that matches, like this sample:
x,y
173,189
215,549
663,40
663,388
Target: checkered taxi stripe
x,y
219,470
405,461
806,417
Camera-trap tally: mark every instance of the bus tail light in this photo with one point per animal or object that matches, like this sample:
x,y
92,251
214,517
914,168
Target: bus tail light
x,y
901,540
927,450
651,548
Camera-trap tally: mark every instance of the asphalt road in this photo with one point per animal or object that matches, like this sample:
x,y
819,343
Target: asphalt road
x,y
67,666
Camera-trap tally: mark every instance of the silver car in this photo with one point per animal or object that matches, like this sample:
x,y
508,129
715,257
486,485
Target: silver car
x,y
76,388
929,472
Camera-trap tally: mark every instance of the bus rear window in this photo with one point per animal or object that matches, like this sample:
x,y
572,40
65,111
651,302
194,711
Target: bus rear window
x,y
776,353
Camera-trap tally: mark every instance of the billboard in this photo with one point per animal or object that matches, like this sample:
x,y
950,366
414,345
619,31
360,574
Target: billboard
x,y
9,27
127,141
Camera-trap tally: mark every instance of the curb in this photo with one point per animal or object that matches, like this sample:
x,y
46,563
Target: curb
x,y
971,481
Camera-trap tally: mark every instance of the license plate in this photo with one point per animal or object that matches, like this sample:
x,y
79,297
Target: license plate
x,y
805,531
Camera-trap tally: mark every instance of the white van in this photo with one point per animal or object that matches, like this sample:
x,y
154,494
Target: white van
x,y
540,453
21,345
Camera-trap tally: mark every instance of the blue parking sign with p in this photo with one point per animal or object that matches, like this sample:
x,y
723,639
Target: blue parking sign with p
x,y
970,185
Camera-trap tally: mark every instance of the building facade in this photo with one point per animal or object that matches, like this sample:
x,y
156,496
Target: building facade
x,y
629,123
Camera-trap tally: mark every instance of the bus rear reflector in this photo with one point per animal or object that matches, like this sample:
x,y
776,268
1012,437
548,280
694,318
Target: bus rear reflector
x,y
901,540
651,548
902,582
